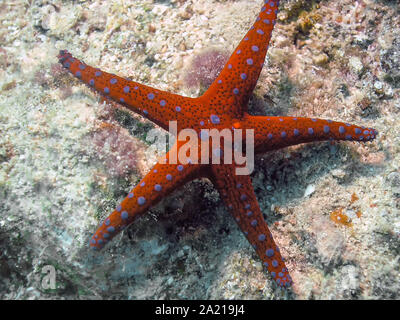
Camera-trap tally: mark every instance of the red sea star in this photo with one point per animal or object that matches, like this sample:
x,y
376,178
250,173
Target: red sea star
x,y
223,106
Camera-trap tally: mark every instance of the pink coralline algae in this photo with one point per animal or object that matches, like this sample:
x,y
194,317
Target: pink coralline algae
x,y
204,68
116,149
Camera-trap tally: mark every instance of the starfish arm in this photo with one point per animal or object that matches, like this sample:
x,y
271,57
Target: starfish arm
x,y
273,133
156,105
157,184
238,194
233,87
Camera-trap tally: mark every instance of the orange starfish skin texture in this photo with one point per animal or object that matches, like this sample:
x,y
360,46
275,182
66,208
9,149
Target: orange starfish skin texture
x,y
223,106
